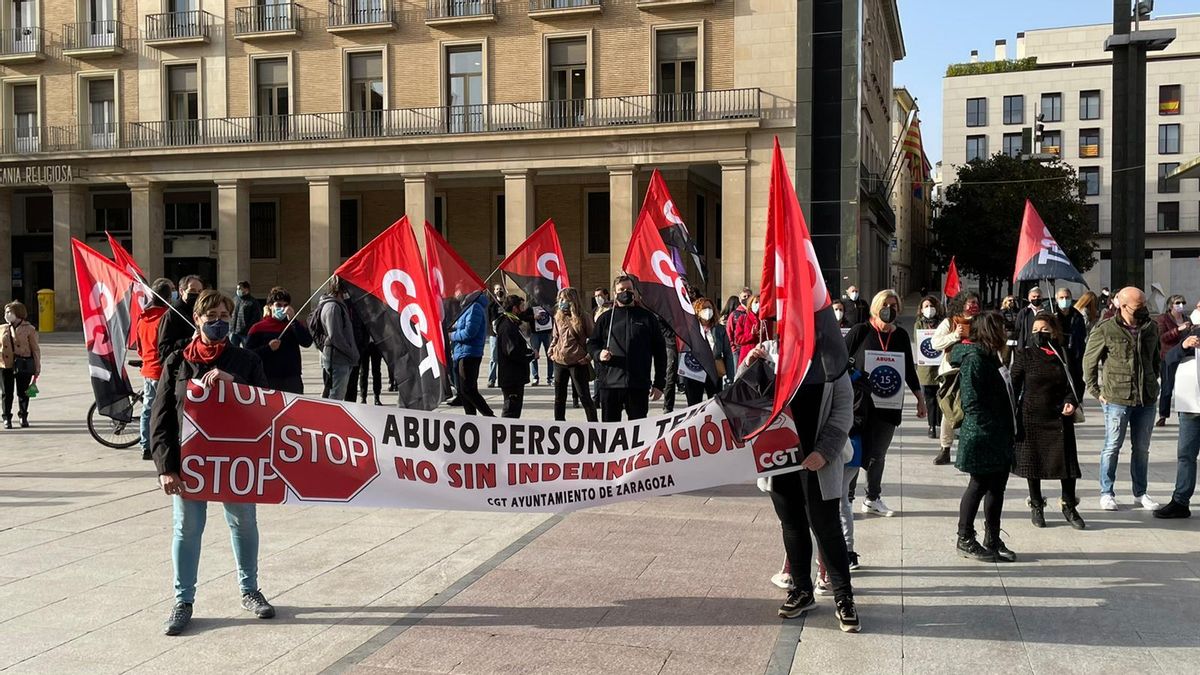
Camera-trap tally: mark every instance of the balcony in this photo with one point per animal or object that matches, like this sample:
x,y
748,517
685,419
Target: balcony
x,y
22,45
266,21
554,9
648,5
93,39
736,106
360,16
442,12
178,28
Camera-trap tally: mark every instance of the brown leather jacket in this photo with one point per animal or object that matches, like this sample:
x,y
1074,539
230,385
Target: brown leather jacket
x,y
568,345
19,340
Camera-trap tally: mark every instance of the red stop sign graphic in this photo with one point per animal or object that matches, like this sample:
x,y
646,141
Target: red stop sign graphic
x,y
221,471
322,452
232,412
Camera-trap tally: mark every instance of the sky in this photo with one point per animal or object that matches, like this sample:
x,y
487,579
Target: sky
x,y
940,32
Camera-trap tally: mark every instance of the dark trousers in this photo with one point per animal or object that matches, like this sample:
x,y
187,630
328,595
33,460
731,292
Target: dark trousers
x,y
797,500
634,402
668,399
371,359
1068,490
698,391
468,387
929,391
989,489
17,383
577,378
514,398
351,388
292,384
1167,393
876,439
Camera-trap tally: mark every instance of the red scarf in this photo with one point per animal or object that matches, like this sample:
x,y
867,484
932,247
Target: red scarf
x,y
198,351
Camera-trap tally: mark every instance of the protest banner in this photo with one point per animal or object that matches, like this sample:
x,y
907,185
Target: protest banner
x,y
885,373
244,444
925,353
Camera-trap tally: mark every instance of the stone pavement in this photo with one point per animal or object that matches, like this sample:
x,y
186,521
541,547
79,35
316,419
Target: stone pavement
x,y
667,585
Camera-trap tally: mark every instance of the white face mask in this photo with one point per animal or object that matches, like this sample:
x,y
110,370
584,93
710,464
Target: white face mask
x,y
11,318
1195,317
929,312
838,314
706,314
754,307
853,295
1179,306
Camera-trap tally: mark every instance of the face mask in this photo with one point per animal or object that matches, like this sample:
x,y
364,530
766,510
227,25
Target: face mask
x,y
929,312
499,294
1043,339
838,314
972,311
242,294
887,314
564,307
625,297
216,330
281,313
754,307
599,302
10,318
706,314
1195,317
853,295
1141,316
1036,302
1179,306
190,297
174,296
1064,303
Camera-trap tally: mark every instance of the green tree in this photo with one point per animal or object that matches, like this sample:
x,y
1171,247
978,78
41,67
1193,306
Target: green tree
x,y
979,219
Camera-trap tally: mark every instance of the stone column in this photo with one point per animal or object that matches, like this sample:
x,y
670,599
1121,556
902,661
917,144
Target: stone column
x,y
233,233
6,247
518,208
735,233
69,213
622,193
146,201
418,204
324,228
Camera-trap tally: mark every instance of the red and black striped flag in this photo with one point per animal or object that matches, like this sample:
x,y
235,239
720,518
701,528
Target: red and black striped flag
x,y
105,293
140,291
538,267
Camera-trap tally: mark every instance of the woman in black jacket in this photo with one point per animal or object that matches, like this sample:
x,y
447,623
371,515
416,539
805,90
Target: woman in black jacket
x,y
513,356
278,345
718,340
210,358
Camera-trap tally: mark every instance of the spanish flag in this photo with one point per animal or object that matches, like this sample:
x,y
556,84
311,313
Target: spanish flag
x,y
916,156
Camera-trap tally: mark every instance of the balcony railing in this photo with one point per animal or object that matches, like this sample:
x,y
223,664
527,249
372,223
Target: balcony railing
x,y
37,139
353,13
551,5
93,35
456,9
194,25
269,18
22,43
617,111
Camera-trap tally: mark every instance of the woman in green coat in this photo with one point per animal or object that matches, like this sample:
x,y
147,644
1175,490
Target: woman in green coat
x,y
985,445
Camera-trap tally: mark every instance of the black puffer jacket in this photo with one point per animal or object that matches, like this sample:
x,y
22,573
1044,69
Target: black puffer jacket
x,y
634,337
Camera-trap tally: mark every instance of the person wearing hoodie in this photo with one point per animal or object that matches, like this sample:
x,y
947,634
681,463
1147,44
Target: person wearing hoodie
x,y
335,338
277,345
174,331
146,345
513,355
468,336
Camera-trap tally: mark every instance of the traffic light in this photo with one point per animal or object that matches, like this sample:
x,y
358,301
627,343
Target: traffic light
x,y
1039,128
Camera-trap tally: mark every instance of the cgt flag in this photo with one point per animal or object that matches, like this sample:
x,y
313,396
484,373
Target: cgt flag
x,y
450,277
388,288
953,284
674,232
538,266
140,289
1038,255
104,298
650,264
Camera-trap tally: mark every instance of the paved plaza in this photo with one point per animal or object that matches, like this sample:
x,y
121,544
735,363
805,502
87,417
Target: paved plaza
x,y
667,585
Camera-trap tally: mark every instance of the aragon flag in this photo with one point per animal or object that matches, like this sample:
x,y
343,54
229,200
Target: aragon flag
x,y
140,290
1039,255
104,299
538,266
389,292
674,232
450,277
649,263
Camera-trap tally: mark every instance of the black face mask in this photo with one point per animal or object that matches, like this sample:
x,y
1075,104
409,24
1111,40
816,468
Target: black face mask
x,y
625,297
1036,303
190,297
1043,339
887,314
1141,316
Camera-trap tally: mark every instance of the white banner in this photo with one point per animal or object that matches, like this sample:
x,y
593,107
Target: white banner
x,y
243,444
1187,386
925,353
885,372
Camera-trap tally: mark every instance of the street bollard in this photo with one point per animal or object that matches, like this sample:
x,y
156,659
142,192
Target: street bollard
x,y
45,298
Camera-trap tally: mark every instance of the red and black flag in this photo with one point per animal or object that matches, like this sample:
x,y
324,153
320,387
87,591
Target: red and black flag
x,y
674,232
141,294
450,277
538,267
389,292
105,292
1039,255
649,263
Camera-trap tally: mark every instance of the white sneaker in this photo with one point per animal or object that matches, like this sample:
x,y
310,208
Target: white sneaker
x,y
783,580
1146,503
1108,502
823,587
878,507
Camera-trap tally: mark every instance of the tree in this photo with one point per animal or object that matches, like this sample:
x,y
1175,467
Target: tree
x,y
979,220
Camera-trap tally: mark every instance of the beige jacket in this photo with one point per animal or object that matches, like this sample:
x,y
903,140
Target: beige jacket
x,y
19,340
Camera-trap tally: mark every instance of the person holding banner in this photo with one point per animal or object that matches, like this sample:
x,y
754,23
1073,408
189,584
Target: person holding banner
x,y
1187,404
626,342
145,342
929,359
568,349
883,351
957,326
211,359
513,355
20,361
277,345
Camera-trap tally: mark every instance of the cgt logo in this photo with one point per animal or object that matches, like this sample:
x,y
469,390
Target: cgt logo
x,y
550,267
413,321
667,275
777,447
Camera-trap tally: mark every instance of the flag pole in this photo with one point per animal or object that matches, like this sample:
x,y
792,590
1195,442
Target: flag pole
x,y
168,304
310,299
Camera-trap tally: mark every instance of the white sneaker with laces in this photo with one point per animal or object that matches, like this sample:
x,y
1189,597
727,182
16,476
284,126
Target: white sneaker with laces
x,y
1146,503
1108,502
878,507
783,580
823,587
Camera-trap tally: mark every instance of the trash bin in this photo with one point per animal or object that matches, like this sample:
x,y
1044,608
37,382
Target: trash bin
x,y
45,310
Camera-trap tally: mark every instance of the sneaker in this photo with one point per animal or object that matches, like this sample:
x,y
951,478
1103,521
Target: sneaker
x,y
878,507
969,547
1108,503
783,580
854,563
256,603
797,603
1173,509
181,616
534,382
823,587
1145,502
847,615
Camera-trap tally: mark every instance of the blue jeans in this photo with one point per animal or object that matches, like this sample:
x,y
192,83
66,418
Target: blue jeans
x,y
1140,421
1189,446
190,516
149,393
491,360
536,342
339,381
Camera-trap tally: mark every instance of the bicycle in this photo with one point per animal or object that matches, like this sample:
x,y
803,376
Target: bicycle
x,y
116,434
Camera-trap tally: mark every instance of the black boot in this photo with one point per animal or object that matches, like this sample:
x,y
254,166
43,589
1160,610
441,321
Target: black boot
x,y
8,421
943,457
993,543
1071,514
968,547
24,420
1037,511
377,401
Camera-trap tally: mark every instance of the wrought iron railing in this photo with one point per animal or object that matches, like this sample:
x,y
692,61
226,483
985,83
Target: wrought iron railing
x,y
193,24
545,5
266,18
93,34
28,40
616,111
359,13
446,9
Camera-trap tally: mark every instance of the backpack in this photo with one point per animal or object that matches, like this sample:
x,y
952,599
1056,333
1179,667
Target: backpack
x,y
864,403
949,393
317,327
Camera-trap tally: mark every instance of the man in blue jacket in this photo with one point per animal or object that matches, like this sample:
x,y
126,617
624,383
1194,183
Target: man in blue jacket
x,y
468,337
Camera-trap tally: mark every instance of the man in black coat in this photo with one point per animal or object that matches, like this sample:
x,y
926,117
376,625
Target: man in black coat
x,y
1024,323
626,341
857,309
174,332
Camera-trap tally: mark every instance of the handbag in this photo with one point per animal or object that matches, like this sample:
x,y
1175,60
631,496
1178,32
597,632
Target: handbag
x,y
23,365
1078,415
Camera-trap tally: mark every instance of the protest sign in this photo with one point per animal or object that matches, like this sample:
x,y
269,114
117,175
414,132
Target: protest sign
x,y
885,373
925,353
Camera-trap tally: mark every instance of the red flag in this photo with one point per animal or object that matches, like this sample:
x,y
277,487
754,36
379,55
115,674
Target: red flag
x,y
390,293
1038,255
104,298
538,266
141,289
662,211
953,286
449,275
